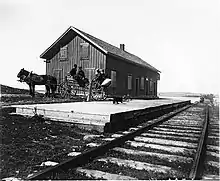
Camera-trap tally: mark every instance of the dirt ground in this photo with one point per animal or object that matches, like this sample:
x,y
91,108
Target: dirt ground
x,y
27,142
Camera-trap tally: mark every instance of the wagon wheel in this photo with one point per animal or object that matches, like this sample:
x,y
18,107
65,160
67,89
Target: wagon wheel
x,y
94,95
104,96
97,94
73,89
96,90
63,90
85,90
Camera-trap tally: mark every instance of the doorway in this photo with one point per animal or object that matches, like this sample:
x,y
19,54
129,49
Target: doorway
x,y
147,87
137,86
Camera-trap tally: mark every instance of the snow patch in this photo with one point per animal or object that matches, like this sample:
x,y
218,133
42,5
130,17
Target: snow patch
x,y
108,139
133,129
48,163
92,145
11,179
74,153
90,137
116,135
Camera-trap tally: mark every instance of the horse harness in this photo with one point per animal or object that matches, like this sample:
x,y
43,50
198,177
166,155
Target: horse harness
x,y
30,78
25,78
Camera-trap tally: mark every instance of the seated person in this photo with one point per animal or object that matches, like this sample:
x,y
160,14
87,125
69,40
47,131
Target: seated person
x,y
97,76
80,73
102,76
80,77
73,71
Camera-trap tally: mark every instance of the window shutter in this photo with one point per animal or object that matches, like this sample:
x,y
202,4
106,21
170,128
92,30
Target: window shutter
x,y
129,82
113,78
84,51
142,83
151,85
63,52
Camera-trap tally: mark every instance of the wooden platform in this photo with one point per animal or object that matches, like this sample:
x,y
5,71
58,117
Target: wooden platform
x,y
91,115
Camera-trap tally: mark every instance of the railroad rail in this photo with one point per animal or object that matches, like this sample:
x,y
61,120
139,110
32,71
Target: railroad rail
x,y
168,128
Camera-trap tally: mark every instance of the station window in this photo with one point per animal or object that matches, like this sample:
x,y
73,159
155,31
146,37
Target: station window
x,y
84,51
113,78
142,83
151,85
129,82
63,52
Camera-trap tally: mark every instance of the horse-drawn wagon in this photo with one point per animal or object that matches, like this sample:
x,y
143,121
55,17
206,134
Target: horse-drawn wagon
x,y
69,87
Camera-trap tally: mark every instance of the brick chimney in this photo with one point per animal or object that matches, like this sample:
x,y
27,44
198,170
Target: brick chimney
x,y
122,47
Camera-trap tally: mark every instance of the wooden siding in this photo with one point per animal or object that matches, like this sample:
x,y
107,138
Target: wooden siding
x,y
96,59
123,69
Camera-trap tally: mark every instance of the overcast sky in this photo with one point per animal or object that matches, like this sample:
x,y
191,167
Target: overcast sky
x,y
181,38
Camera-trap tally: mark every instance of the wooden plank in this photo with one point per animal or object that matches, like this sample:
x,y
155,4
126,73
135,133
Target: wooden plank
x,y
96,58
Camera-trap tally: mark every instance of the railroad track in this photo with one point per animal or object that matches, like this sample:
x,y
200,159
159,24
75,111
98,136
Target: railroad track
x,y
170,146
211,161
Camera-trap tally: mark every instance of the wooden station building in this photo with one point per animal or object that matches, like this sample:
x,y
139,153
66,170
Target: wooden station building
x,y
129,73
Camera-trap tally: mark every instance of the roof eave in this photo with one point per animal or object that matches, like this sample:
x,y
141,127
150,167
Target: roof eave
x,y
43,54
89,40
122,58
79,33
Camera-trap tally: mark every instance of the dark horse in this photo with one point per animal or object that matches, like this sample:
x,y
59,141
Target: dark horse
x,y
32,79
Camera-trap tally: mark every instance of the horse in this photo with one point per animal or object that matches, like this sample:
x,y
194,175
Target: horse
x,y
32,79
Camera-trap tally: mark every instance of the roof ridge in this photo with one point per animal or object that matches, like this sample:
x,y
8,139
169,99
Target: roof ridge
x,y
105,47
97,38
118,49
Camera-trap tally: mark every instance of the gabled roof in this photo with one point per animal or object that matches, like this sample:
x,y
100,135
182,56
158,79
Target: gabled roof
x,y
101,45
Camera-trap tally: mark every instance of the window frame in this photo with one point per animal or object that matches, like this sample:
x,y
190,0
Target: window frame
x,y
63,53
82,51
113,78
142,85
151,82
129,86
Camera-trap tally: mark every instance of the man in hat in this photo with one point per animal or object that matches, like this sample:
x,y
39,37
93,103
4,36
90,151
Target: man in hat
x,y
73,71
